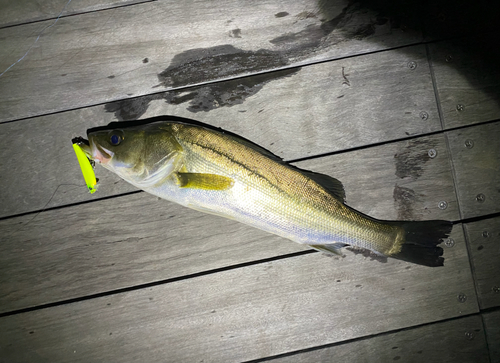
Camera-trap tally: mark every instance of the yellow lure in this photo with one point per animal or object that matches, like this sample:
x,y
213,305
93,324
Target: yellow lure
x,y
87,171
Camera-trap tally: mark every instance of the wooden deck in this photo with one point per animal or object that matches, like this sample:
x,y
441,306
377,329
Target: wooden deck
x,y
401,102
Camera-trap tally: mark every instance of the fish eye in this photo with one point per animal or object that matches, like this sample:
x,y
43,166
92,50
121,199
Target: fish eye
x,y
115,139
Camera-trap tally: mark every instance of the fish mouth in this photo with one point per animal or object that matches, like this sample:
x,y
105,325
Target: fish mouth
x,y
99,153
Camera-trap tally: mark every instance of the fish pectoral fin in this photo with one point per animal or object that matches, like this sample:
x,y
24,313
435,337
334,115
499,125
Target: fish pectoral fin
x,y
204,181
332,248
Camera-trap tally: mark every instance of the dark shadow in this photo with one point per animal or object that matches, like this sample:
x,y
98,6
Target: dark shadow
x,y
463,35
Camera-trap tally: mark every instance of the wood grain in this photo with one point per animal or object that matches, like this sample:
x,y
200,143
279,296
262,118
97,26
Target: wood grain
x,y
128,277
303,113
137,239
119,243
395,181
245,313
492,326
484,241
440,342
475,153
15,12
467,80
150,47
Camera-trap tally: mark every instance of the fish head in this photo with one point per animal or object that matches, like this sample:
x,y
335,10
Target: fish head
x,y
142,155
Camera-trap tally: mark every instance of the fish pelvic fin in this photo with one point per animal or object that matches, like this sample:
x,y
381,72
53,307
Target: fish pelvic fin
x,y
204,181
419,242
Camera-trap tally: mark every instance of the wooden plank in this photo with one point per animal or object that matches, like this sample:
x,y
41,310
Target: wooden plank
x,y
475,153
245,313
15,12
484,241
461,340
136,50
117,243
43,170
467,80
410,184
294,113
492,325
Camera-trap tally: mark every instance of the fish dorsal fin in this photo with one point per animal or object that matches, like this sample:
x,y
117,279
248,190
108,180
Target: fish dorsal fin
x,y
204,181
334,186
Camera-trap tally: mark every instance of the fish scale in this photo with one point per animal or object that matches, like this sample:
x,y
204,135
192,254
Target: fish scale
x,y
307,213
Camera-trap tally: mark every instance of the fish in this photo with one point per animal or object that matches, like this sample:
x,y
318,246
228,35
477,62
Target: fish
x,y
217,172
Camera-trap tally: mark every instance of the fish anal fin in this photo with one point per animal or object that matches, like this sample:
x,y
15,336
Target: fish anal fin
x,y
331,248
204,181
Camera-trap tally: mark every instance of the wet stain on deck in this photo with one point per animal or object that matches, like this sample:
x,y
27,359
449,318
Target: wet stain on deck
x,y
224,61
201,98
224,94
410,161
316,36
281,14
235,33
410,165
203,65
131,109
404,200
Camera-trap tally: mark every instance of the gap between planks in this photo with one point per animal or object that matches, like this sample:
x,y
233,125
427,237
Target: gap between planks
x,y
367,337
220,80
426,43
237,77
74,13
155,283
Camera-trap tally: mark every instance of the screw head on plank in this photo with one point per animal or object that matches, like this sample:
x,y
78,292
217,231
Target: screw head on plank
x,y
462,298
469,144
449,242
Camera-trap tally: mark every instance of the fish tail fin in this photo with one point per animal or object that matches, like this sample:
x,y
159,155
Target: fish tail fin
x,y
421,239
